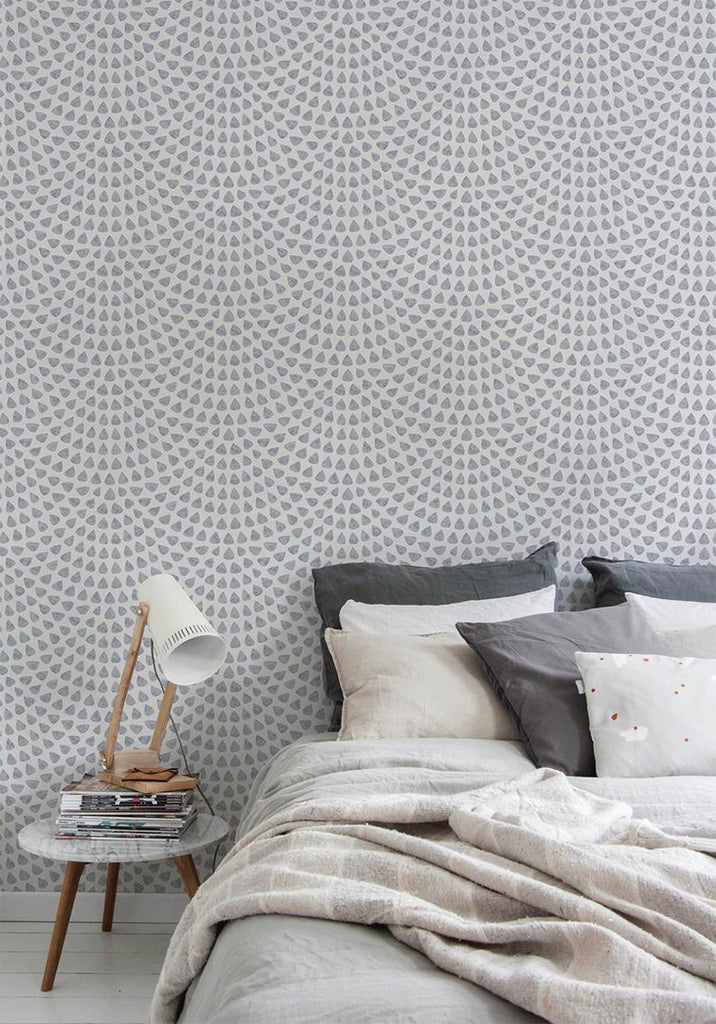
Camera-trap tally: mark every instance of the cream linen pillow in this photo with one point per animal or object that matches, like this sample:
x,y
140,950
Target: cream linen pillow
x,y
410,686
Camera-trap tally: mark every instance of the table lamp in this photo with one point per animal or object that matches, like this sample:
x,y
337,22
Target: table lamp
x,y
188,650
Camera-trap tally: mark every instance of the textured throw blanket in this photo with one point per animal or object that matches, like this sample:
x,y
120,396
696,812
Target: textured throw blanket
x,y
551,897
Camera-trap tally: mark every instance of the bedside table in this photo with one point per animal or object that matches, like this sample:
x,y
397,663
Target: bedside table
x,y
205,830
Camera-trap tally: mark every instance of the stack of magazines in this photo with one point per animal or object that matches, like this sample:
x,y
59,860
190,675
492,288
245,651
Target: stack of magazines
x,y
92,809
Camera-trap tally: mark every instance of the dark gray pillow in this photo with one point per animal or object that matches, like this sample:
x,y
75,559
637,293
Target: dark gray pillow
x,y
531,666
614,578
377,583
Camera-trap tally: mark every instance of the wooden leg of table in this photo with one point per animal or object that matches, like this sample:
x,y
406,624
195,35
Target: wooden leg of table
x,y
110,895
73,873
189,876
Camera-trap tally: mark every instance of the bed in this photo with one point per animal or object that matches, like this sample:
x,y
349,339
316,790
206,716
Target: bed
x,y
282,967
516,821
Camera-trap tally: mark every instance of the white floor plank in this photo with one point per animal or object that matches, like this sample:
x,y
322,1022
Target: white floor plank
x,y
85,942
131,906
103,978
91,927
73,1010
109,986
83,963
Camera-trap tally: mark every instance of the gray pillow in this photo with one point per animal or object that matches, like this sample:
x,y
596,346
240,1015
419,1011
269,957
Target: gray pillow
x,y
376,583
613,579
530,664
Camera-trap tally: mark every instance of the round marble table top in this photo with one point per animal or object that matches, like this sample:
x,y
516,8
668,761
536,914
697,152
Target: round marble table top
x,y
39,838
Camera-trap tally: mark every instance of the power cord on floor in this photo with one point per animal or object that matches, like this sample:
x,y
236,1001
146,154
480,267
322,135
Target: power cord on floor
x,y
187,769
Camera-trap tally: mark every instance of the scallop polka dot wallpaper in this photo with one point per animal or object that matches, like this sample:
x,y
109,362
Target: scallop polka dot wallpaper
x,y
296,283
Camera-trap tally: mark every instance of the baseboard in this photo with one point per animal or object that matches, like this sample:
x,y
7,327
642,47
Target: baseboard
x,y
131,907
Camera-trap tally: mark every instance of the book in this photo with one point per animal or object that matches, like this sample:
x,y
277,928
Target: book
x,y
77,828
91,808
91,790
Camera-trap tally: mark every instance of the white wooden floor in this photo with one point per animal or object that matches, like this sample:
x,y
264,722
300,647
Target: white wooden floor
x,y
103,978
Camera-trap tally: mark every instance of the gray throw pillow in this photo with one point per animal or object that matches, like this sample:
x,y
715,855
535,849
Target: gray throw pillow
x,y
377,583
614,578
530,664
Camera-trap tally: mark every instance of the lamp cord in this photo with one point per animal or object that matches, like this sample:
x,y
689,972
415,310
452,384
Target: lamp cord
x,y
204,797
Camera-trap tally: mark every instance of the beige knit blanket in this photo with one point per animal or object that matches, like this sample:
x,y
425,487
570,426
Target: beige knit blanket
x,y
551,897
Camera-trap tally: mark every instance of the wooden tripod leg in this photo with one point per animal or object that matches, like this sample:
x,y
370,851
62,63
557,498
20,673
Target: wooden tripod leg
x,y
73,873
110,895
188,872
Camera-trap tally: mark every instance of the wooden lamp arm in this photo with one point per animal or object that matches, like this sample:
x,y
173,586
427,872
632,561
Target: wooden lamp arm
x,y
123,689
163,718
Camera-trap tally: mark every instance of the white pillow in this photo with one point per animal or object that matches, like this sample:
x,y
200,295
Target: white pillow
x,y
694,643
422,619
666,616
406,686
650,714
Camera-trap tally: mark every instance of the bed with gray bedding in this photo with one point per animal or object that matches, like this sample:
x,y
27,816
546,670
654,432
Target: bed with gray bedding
x,y
278,967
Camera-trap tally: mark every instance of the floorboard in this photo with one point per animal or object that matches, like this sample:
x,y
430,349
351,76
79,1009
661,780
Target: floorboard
x,y
95,962
85,942
119,927
66,985
74,1010
103,978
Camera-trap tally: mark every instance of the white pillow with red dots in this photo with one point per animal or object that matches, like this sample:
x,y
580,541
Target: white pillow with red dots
x,y
650,715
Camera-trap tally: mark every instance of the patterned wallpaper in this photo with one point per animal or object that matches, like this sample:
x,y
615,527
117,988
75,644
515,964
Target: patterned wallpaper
x,y
293,283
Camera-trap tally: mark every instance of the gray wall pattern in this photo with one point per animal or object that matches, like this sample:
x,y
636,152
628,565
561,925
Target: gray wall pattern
x,y
291,284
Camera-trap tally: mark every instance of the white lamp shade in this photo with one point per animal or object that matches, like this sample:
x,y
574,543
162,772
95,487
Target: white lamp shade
x,y
187,647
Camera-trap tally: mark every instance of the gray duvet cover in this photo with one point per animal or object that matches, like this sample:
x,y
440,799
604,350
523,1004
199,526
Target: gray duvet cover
x,y
289,969
294,970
